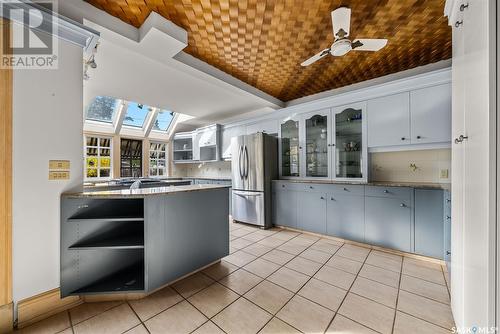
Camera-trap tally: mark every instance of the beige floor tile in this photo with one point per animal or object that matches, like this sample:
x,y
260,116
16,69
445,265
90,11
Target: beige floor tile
x,y
406,324
254,237
425,288
192,284
380,275
323,293
422,263
271,241
384,262
342,325
68,331
116,320
424,273
304,266
181,318
88,310
278,256
388,255
276,326
337,277
292,248
269,296
241,232
368,313
240,243
267,233
232,237
426,309
242,317
240,258
303,240
353,252
330,241
213,299
315,255
378,292
51,325
257,250
232,250
219,270
240,281
137,330
155,303
288,279
208,328
261,267
344,264
325,247
305,315
286,235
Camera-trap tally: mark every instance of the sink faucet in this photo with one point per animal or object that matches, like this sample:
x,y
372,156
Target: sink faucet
x,y
135,185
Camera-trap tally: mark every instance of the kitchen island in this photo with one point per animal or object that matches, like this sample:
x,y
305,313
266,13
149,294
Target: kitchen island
x,y
124,241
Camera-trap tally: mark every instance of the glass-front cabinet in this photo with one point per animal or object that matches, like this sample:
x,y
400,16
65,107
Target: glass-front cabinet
x,y
325,144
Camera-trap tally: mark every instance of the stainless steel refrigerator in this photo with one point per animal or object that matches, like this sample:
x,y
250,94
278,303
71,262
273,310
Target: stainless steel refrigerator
x,y
253,167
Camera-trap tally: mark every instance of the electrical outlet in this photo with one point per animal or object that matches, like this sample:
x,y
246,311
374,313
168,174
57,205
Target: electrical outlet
x,y
443,174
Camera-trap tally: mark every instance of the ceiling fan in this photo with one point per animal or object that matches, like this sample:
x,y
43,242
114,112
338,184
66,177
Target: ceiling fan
x,y
341,21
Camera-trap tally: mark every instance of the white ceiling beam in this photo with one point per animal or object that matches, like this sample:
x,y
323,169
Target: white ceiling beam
x,y
150,121
121,112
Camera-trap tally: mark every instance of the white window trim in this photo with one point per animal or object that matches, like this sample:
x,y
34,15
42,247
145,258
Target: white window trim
x,y
165,169
98,147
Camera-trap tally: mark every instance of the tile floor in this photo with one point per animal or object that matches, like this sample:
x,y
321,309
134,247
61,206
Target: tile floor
x,y
279,281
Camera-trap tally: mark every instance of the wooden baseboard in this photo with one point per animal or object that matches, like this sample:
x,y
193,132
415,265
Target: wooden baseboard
x,y
42,306
6,318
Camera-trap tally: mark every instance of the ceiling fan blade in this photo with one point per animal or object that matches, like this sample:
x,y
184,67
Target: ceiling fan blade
x,y
316,57
341,22
368,44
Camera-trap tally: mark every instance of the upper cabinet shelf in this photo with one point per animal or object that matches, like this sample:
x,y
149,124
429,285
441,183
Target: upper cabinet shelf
x,y
200,145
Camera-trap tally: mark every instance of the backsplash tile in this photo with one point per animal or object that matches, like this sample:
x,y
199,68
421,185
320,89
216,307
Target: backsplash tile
x,y
411,166
204,169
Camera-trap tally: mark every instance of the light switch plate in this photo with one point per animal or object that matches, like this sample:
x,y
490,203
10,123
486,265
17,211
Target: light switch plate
x,y
58,175
443,174
59,164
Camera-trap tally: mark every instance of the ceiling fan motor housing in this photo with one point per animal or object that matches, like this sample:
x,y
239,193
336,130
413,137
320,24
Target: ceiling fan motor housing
x,y
341,47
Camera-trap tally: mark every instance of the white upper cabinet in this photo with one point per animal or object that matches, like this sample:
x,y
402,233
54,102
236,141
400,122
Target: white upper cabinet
x,y
267,126
389,120
227,134
431,114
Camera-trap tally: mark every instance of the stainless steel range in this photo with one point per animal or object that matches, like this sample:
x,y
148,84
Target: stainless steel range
x,y
254,166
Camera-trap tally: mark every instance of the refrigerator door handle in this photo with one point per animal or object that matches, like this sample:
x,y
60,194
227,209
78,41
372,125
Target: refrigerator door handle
x,y
240,170
246,162
247,194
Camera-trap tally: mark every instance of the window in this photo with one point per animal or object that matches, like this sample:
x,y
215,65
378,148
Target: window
x,y
97,157
130,158
102,109
163,120
136,114
157,160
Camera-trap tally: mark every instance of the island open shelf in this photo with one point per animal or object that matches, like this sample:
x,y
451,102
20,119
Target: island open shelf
x,y
140,240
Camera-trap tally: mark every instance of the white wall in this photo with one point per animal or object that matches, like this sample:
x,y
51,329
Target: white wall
x,y
48,124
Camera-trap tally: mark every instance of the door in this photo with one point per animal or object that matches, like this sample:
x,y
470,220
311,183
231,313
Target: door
x,y
429,228
430,110
389,120
253,161
285,203
316,152
289,147
345,217
311,212
388,222
350,151
237,166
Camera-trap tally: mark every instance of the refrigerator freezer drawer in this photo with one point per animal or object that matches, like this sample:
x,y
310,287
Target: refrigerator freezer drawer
x,y
248,207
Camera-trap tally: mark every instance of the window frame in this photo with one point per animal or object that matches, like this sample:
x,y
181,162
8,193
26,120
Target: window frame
x,y
98,148
165,168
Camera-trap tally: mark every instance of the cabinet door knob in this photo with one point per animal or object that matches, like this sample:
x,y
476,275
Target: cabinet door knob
x,y
458,23
419,137
464,6
448,200
386,191
448,217
311,187
322,197
402,205
282,186
448,253
345,189
332,199
403,138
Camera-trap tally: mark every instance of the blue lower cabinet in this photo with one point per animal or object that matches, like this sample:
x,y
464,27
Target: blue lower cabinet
x,y
388,222
311,212
429,225
285,203
345,217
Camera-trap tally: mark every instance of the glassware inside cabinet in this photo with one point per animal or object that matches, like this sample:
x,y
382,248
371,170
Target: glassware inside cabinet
x,y
317,146
348,143
290,148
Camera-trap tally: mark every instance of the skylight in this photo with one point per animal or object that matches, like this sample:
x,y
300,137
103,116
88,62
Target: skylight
x,y
136,114
102,109
163,120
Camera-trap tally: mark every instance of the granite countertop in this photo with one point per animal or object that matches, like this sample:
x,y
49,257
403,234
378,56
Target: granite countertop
x,y
218,178
424,185
142,192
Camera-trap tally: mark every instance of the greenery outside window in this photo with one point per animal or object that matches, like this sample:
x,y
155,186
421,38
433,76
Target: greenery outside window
x,y
157,159
102,109
97,157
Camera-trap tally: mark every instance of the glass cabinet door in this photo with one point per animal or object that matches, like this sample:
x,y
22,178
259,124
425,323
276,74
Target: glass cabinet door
x,y
290,148
349,143
316,134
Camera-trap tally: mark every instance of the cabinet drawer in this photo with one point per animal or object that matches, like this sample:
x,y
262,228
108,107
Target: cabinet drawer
x,y
286,185
347,189
389,192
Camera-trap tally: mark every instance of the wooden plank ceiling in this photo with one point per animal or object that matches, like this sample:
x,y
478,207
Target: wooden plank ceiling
x,y
263,42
